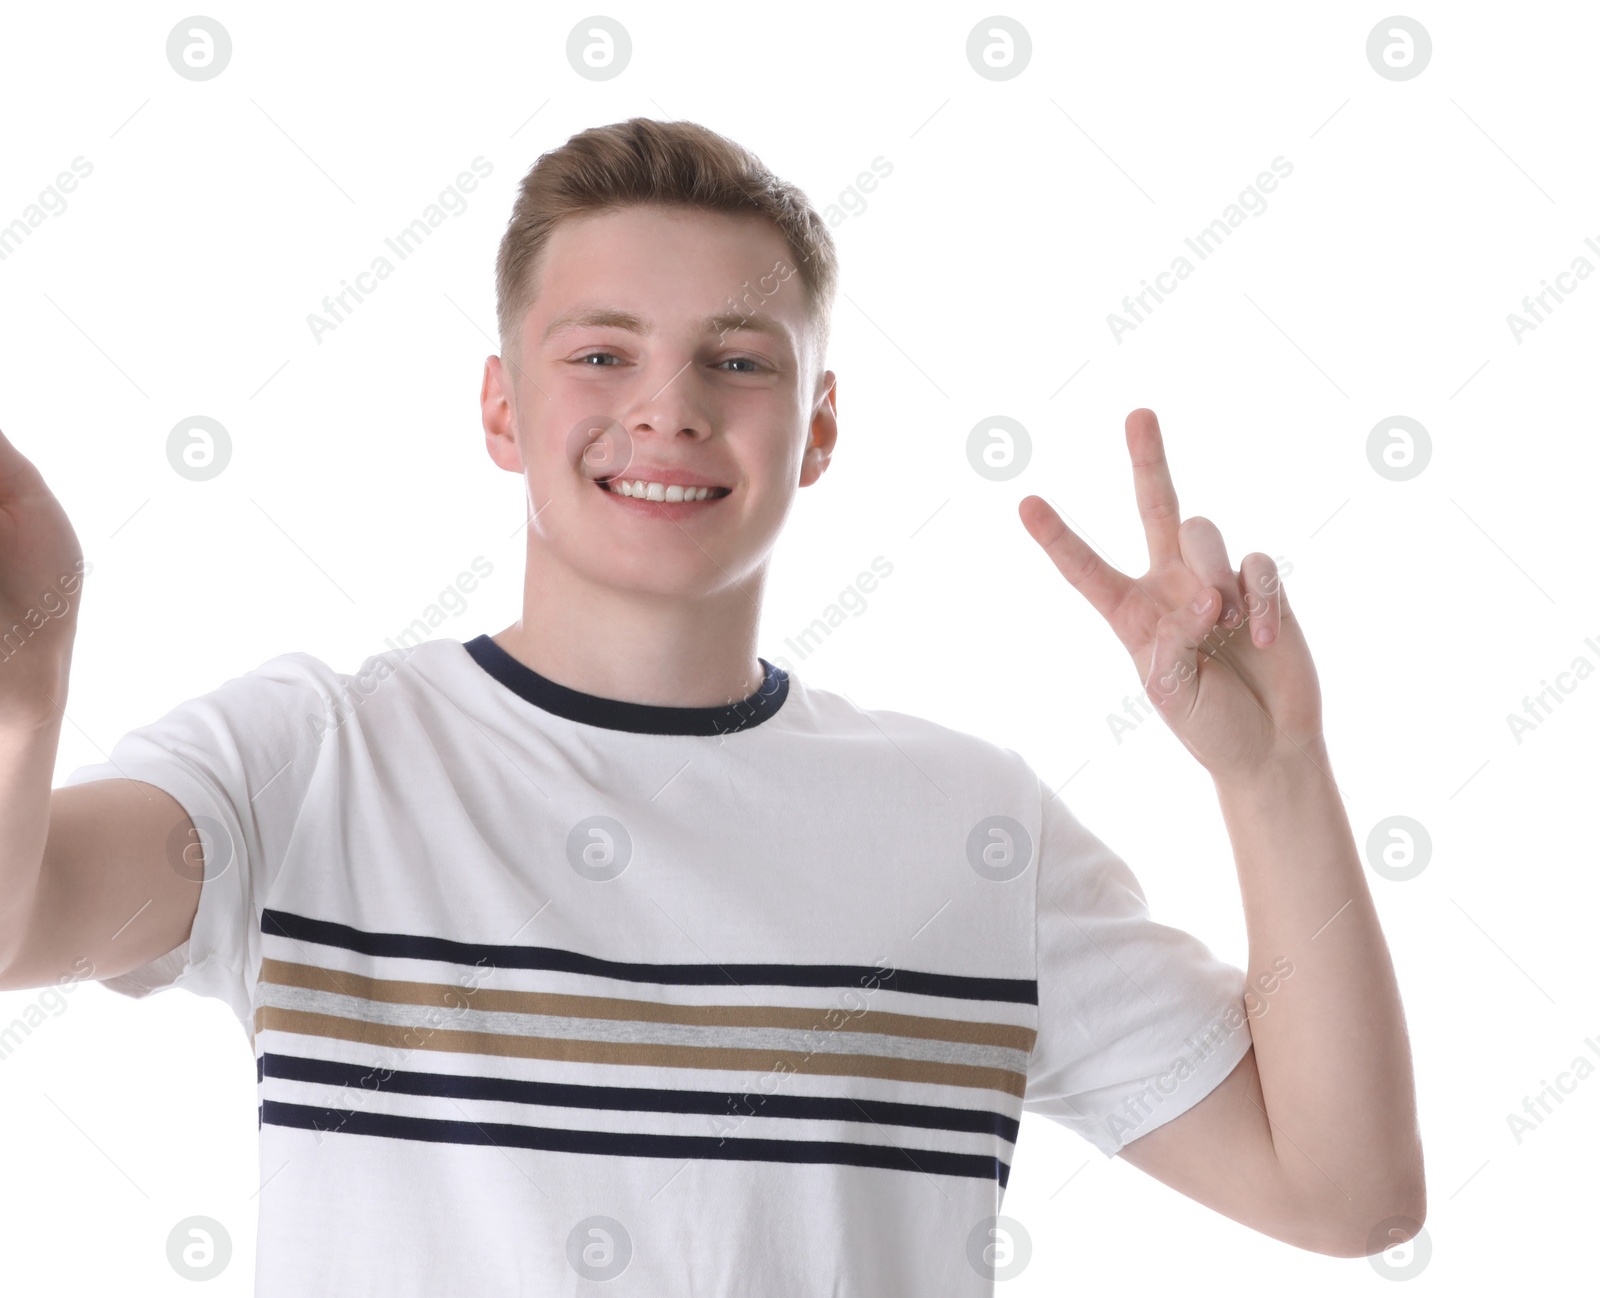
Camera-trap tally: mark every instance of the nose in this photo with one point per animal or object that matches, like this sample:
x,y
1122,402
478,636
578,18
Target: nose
x,y
673,405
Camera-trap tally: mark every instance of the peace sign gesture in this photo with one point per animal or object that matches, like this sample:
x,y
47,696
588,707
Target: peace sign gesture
x,y
1234,680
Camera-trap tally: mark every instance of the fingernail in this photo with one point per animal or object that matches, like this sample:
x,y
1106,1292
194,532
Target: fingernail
x,y
1264,635
1202,602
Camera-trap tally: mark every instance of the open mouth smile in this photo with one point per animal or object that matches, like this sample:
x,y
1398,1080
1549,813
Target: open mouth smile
x,y
657,497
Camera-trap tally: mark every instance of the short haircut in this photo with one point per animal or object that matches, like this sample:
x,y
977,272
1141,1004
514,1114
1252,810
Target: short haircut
x,y
672,164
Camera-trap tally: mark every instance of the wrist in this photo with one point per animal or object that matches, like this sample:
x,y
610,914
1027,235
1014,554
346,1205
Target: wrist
x,y
1291,768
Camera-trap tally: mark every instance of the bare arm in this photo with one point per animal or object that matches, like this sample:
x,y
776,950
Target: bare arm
x,y
118,885
107,870
1313,1139
1314,1136
27,758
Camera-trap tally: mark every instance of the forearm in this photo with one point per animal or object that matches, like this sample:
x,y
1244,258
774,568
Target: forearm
x,y
27,765
1330,1039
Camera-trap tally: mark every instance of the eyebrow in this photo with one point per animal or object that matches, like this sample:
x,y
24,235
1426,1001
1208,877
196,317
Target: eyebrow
x,y
616,318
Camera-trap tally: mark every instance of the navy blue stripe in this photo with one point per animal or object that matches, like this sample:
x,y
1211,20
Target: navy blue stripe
x,y
638,1099
619,714
1021,991
633,1144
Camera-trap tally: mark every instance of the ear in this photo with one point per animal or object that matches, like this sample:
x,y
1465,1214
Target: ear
x,y
499,416
824,431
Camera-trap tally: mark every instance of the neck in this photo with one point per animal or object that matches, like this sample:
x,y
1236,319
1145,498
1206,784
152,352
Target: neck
x,y
638,646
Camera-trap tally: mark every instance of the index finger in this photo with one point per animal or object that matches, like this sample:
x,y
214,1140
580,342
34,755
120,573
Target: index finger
x,y
1096,580
1153,489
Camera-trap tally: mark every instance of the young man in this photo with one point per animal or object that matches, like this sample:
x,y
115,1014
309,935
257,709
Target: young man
x,y
603,947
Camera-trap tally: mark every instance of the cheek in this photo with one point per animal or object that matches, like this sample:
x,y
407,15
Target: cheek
x,y
776,476
772,492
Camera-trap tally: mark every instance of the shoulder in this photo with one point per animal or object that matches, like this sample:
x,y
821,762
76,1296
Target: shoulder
x,y
429,660
825,713
304,684
390,682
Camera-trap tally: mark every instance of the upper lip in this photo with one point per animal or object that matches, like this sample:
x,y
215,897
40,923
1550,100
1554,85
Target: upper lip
x,y
667,477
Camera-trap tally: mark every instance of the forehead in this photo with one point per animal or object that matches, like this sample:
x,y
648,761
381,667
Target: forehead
x,y
670,264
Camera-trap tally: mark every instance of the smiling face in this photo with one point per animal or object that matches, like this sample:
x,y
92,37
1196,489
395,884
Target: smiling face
x,y
671,345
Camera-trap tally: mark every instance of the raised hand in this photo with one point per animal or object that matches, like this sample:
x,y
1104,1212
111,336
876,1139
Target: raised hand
x,y
1232,675
41,580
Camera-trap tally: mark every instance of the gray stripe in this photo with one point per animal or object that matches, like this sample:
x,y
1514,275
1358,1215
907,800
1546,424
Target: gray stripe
x,y
635,1032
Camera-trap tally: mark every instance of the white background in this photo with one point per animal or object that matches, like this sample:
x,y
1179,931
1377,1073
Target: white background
x,y
976,280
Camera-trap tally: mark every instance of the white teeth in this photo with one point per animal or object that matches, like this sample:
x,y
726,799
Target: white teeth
x,y
639,489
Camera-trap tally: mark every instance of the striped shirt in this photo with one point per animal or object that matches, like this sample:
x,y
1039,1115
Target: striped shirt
x,y
546,989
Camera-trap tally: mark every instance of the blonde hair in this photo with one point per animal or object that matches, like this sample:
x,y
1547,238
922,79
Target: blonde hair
x,y
674,164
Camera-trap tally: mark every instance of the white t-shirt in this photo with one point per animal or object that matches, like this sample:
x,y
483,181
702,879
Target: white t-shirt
x,y
545,988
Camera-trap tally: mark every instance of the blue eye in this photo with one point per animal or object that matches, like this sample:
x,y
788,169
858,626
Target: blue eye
x,y
756,366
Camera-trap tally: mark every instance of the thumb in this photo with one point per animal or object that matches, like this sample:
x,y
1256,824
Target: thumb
x,y
1174,678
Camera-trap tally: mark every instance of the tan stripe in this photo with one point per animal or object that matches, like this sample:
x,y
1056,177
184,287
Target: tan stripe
x,y
272,1018
449,996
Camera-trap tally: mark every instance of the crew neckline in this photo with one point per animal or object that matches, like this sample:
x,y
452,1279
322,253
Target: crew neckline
x,y
620,714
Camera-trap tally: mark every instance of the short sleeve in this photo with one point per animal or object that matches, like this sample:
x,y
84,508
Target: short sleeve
x,y
239,761
1138,1022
